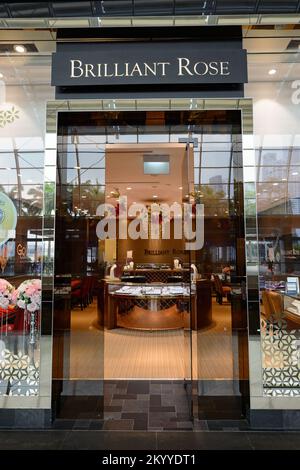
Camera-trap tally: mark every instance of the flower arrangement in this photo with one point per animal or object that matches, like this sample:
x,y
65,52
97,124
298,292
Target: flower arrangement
x,y
28,295
6,293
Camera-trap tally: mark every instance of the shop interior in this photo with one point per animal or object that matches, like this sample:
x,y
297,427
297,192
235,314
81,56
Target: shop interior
x,y
168,313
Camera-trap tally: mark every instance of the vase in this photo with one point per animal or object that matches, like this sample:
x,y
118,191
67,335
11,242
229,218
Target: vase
x,y
32,328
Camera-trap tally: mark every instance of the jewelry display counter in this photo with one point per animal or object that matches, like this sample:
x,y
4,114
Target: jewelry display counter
x,y
157,306
291,304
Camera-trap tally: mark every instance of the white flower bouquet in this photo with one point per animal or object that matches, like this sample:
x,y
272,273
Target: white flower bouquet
x,y
6,293
28,295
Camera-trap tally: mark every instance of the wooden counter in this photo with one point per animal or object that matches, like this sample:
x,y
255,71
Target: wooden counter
x,y
157,312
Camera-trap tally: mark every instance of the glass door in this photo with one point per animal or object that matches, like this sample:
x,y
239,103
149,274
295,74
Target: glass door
x,y
217,262
128,332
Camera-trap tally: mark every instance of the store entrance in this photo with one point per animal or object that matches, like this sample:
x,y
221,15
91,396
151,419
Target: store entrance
x,y
143,321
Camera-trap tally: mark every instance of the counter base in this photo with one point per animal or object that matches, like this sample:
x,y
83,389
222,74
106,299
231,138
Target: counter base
x,y
140,319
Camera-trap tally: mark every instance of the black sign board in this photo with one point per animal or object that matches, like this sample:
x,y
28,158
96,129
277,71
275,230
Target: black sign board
x,y
165,63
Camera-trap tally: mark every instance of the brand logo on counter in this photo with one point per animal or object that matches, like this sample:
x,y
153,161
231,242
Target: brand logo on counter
x,y
138,221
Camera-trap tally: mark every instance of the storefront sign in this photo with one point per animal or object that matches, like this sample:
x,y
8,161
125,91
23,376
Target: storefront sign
x,y
165,63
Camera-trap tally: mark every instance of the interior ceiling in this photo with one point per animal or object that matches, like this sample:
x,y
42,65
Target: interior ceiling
x,y
128,172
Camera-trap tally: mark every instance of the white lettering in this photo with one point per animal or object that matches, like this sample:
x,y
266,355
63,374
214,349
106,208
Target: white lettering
x,y
106,73
296,93
163,67
181,66
73,67
136,69
224,68
89,70
213,68
203,64
151,70
116,71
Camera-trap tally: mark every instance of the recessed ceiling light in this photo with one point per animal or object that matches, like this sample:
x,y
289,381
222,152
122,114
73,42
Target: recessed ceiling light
x,y
154,197
180,187
19,48
129,188
272,71
83,197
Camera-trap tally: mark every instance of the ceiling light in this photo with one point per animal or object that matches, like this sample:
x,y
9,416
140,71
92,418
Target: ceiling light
x,y
19,48
272,71
154,197
128,189
275,184
180,187
295,173
83,197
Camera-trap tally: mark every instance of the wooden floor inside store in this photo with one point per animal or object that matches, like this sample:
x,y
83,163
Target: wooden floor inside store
x,y
150,355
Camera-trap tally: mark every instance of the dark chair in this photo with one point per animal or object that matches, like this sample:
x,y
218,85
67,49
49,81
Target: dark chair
x,y
221,291
81,296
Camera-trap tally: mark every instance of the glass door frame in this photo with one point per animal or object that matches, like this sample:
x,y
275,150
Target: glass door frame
x,y
245,106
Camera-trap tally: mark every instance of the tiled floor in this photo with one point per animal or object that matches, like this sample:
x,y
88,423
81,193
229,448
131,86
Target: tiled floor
x,y
151,440
146,405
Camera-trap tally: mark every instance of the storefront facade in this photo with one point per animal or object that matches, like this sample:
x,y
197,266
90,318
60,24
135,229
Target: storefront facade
x,y
245,84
